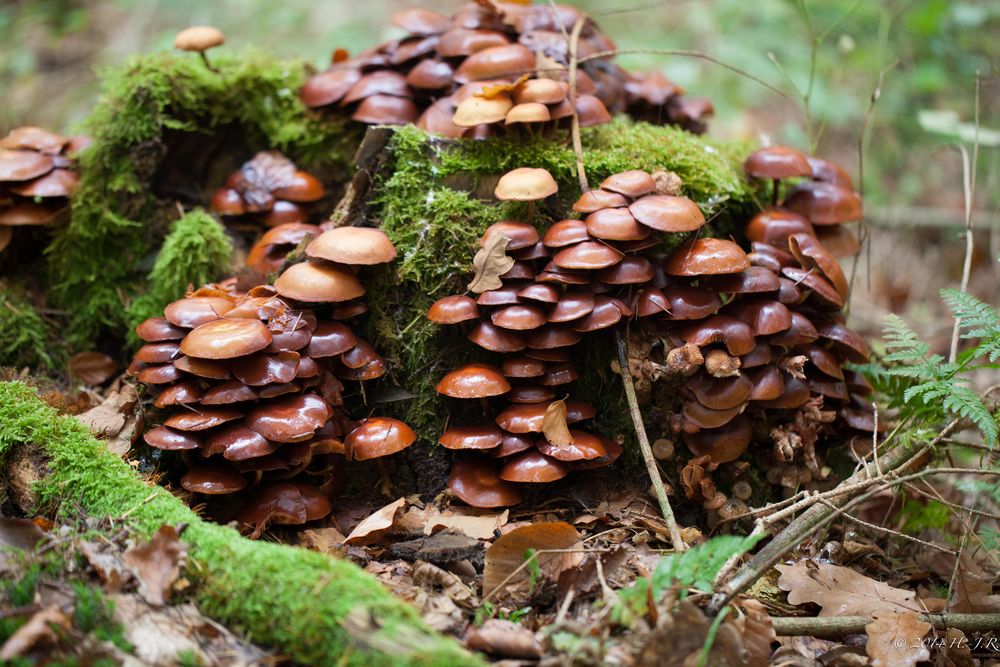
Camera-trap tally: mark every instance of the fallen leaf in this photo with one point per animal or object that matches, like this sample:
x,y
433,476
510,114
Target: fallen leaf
x,y
504,638
92,368
555,428
584,579
474,523
37,631
955,652
113,420
19,534
972,591
450,585
894,639
490,263
754,625
841,591
679,636
372,528
159,636
324,540
505,575
156,564
107,564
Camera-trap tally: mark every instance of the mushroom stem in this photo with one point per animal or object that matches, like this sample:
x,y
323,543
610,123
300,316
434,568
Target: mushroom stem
x,y
774,191
385,483
644,446
208,65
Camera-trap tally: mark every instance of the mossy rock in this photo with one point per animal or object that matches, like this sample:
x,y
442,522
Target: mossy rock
x,y
166,128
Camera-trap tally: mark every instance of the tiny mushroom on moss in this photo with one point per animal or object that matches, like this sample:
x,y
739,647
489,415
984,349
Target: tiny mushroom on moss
x,y
199,39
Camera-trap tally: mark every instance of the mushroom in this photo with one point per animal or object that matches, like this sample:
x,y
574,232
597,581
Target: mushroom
x,y
776,163
352,246
525,184
200,38
475,482
377,437
213,479
474,381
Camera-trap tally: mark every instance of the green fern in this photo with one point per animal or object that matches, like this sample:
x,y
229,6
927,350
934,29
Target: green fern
x,y
934,388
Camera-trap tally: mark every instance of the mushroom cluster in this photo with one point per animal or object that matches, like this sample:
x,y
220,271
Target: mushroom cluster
x,y
37,176
752,343
251,382
492,65
267,191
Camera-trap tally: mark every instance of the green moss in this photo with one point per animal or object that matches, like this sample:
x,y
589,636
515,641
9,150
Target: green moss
x,y
97,260
196,251
26,338
302,602
427,203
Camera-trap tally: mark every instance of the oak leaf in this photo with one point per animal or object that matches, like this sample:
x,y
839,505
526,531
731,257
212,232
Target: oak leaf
x,y
841,591
555,547
972,590
894,639
156,564
375,526
490,263
92,368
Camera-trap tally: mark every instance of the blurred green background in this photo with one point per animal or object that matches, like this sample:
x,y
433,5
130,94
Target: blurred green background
x,y
930,51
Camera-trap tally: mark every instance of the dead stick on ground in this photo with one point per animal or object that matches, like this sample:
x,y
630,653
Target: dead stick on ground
x,y
647,451
838,626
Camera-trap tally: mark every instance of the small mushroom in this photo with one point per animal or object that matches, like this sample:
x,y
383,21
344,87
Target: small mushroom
x,y
200,38
377,437
475,482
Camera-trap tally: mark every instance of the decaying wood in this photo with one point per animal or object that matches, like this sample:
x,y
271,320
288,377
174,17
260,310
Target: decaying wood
x,y
828,627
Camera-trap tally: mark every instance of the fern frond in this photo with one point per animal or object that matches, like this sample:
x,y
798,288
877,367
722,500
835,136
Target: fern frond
x,y
978,320
902,341
965,402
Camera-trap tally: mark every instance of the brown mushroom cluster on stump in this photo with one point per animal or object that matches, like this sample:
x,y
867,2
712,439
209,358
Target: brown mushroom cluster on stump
x,y
250,383
754,342
37,176
267,191
494,65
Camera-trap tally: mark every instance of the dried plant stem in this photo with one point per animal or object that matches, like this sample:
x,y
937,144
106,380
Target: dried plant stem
x,y
574,62
647,451
969,191
890,531
826,627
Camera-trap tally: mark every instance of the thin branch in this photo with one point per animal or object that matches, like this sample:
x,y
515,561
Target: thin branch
x,y
574,61
890,531
828,627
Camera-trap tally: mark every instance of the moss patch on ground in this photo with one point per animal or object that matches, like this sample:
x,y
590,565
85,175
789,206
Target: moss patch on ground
x,y
99,261
315,609
434,200
26,338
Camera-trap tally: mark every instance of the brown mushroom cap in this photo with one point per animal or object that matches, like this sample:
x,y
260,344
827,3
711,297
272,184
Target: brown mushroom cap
x,y
737,336
825,203
723,444
572,305
800,332
615,224
685,302
595,200
315,282
633,183
328,87
566,232
705,257
543,91
453,309
491,337
588,255
720,393
34,139
522,367
474,381
199,38
165,438
700,417
830,172
765,316
821,288
845,340
531,466
191,312
528,417
292,419
584,447
475,482
518,317
226,393
632,270
257,370
518,234
812,255
377,437
775,225
202,419
471,437
525,184
20,165
540,292
768,382
386,110
226,339
204,368
56,183
353,246
477,110
777,162
213,479
330,339
181,393
527,112
795,394
754,280
509,60
237,443
668,213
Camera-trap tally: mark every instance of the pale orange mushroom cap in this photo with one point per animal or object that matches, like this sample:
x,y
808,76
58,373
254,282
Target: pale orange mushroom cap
x,y
315,282
526,184
199,38
378,437
474,381
226,339
707,256
353,246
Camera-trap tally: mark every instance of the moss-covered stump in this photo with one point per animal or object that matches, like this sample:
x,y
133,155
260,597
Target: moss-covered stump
x,y
166,131
434,198
316,610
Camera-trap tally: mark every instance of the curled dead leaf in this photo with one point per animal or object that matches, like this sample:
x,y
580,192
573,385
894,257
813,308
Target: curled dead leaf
x,y
156,564
504,638
375,526
38,631
555,427
894,639
92,368
490,263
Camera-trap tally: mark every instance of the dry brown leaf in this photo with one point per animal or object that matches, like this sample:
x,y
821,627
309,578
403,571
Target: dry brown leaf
x,y
894,639
490,263
376,525
37,631
972,592
92,368
19,534
555,428
504,638
956,651
324,540
474,523
431,576
679,636
113,420
507,555
756,630
841,591
106,563
583,579
156,564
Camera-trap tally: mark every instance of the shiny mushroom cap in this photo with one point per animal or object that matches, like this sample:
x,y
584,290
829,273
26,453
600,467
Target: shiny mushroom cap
x,y
475,482
213,479
199,38
315,282
474,381
776,162
378,437
226,339
706,256
353,246
525,184
453,309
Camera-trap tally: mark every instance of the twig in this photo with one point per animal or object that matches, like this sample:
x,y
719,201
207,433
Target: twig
x,y
838,626
969,192
647,451
890,531
574,62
